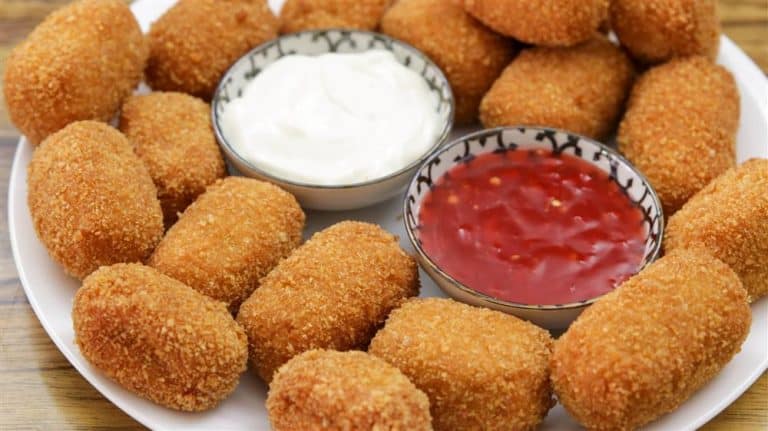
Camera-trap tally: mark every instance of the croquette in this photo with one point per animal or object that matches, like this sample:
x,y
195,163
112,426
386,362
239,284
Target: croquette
x,y
195,41
729,219
78,64
481,369
172,134
230,237
643,349
470,55
541,22
300,15
340,391
333,292
581,89
654,31
680,127
159,338
92,200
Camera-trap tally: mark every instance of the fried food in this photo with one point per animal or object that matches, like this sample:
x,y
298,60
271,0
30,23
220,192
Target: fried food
x,y
680,127
91,199
654,31
230,237
78,64
729,219
195,41
323,389
643,349
159,338
300,15
541,22
470,55
172,134
581,89
333,292
481,369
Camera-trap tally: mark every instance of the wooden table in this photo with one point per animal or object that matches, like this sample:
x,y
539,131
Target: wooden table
x,y
38,387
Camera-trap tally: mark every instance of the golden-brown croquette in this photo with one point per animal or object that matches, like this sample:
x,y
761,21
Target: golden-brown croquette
x,y
729,219
470,55
300,15
333,292
541,22
680,127
159,338
581,89
172,134
78,64
91,199
230,237
481,369
195,41
654,31
341,391
643,349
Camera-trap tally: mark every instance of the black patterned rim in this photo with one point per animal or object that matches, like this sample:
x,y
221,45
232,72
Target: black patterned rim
x,y
334,38
494,136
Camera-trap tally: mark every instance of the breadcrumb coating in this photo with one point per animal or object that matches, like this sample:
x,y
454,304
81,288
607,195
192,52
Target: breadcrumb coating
x,y
541,22
333,292
344,391
300,15
91,199
470,55
172,134
78,64
581,89
481,369
196,41
230,237
643,349
729,219
680,127
654,31
159,338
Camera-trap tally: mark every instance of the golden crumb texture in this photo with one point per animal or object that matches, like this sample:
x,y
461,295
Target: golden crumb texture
x,y
300,15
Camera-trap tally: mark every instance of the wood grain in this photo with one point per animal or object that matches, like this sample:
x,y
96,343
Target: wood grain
x,y
39,390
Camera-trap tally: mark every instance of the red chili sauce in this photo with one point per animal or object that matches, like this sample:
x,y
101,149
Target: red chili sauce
x,y
532,227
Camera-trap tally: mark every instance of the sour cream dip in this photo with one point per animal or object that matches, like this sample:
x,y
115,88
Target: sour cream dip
x,y
333,119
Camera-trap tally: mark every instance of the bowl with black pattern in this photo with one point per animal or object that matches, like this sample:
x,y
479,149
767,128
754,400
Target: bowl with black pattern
x,y
317,42
632,184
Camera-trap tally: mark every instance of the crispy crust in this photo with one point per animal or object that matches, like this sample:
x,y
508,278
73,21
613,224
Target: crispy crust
x,y
299,15
643,349
339,391
91,199
481,369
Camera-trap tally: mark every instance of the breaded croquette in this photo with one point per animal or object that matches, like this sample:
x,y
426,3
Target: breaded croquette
x,y
333,292
680,127
541,22
78,64
300,15
481,369
581,89
195,41
643,349
172,134
341,391
729,219
655,31
230,237
470,55
159,338
91,199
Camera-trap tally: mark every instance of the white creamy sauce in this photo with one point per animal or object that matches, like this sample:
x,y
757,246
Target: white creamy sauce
x,y
333,119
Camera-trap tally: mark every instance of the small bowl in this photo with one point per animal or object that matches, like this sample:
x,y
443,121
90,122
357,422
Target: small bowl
x,y
635,185
334,197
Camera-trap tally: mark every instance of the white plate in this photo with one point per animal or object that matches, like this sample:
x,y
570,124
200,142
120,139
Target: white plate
x,y
50,291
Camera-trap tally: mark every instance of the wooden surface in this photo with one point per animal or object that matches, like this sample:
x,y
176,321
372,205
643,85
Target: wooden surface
x,y
40,390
